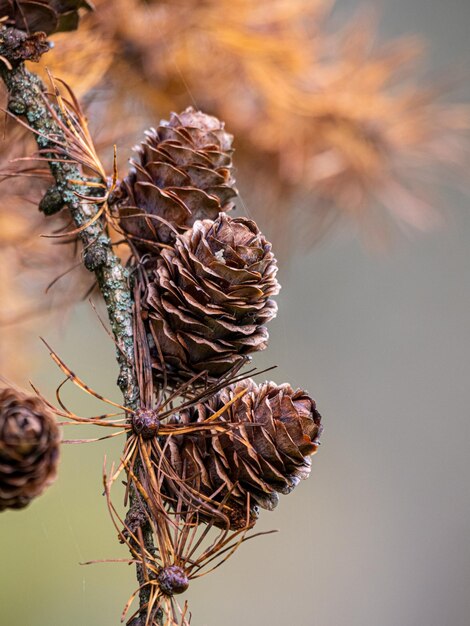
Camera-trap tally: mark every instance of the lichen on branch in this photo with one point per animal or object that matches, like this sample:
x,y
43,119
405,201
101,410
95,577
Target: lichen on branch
x,y
27,99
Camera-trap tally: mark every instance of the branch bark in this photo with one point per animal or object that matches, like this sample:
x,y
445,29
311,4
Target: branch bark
x,y
26,98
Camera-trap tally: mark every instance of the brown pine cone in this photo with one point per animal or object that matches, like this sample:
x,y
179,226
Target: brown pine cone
x,y
267,454
29,448
209,298
183,174
48,16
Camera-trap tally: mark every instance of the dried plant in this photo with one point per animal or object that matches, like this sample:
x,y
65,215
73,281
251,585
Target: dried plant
x,y
341,117
186,547
204,446
175,529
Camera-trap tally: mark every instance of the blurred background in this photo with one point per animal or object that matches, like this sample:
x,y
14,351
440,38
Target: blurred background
x,y
343,142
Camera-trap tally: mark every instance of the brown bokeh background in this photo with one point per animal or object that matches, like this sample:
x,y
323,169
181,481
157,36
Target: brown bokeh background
x,y
379,533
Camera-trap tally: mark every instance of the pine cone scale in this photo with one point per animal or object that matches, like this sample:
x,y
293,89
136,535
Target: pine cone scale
x,y
164,175
197,202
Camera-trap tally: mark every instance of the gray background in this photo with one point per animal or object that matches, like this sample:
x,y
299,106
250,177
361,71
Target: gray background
x,y
379,535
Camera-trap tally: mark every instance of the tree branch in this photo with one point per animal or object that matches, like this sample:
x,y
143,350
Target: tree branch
x,y
26,98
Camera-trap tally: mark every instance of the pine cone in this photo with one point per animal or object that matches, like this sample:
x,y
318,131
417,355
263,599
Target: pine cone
x,y
49,16
29,448
267,454
210,296
183,174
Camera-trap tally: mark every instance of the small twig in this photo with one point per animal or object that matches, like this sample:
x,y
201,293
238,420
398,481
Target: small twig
x,y
27,99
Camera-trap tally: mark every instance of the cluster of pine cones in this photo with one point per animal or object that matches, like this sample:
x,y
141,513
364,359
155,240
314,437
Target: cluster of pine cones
x,y
210,278
206,288
207,282
205,298
204,284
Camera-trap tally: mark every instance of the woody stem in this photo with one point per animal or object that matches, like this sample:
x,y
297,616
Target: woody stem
x,y
26,99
